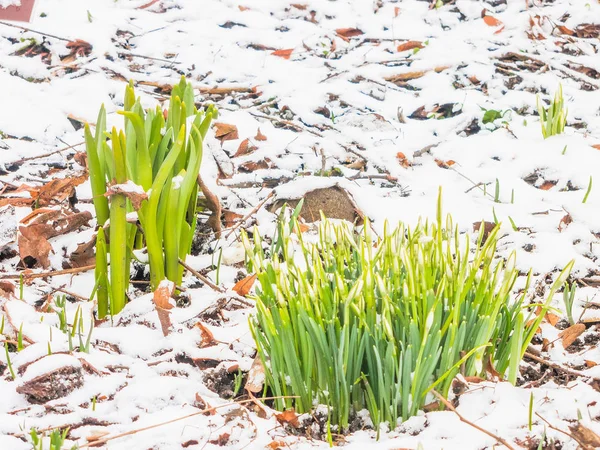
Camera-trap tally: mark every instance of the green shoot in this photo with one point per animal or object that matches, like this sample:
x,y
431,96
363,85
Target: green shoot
x,y
530,421
355,321
497,193
589,189
513,224
9,363
554,118
568,300
21,286
20,345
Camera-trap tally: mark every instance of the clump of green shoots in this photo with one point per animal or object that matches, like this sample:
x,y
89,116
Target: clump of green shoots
x,y
554,118
568,300
353,321
151,167
56,438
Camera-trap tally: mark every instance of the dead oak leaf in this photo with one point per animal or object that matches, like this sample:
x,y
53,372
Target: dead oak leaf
x,y
225,132
492,21
58,190
78,47
288,416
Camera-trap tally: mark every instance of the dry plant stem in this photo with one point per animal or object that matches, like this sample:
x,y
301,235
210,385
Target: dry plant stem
x,y
250,214
30,158
201,277
286,122
138,430
34,31
72,294
559,367
582,444
51,273
468,422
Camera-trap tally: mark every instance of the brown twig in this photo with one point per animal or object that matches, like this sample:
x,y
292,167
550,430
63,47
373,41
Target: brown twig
x,y
29,158
582,444
201,277
559,367
51,273
468,422
168,422
37,32
250,214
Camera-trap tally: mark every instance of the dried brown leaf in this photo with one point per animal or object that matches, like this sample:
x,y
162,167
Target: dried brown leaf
x,y
259,136
245,148
206,337
283,53
133,192
347,33
256,376
161,298
409,45
288,416
243,286
225,132
569,335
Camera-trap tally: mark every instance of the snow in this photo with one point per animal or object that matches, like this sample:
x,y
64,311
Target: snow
x,y
145,378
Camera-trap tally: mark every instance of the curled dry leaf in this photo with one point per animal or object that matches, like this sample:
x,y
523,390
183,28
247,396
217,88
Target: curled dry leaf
x,y
161,298
243,286
84,254
7,289
585,437
403,160
283,53
203,404
288,416
225,132
206,337
347,33
409,45
256,376
231,218
259,136
58,190
565,221
132,191
569,335
245,148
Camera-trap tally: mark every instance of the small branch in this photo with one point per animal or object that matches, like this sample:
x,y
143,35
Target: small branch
x,y
30,158
582,444
51,273
201,277
250,214
168,422
34,31
468,422
559,367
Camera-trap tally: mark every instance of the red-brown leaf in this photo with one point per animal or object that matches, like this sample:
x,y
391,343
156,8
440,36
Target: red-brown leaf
x,y
243,286
283,53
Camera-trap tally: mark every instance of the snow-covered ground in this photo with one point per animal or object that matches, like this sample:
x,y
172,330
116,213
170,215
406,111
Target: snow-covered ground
x,y
382,98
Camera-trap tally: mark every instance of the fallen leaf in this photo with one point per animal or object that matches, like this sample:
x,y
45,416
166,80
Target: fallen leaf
x,y
403,160
243,8
474,379
58,190
161,299
565,30
587,438
491,21
252,166
488,227
596,146
245,148
288,416
299,6
230,218
243,286
565,221
277,445
569,335
77,48
207,339
409,45
283,53
552,319
225,132
547,185
396,11
200,403
256,376
221,441
83,255
132,191
589,363
259,136
347,33
7,289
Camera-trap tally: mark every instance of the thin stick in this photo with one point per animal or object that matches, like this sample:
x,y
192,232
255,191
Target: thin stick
x,y
468,422
51,273
135,55
34,31
72,294
29,158
250,214
168,422
559,367
582,444
201,277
